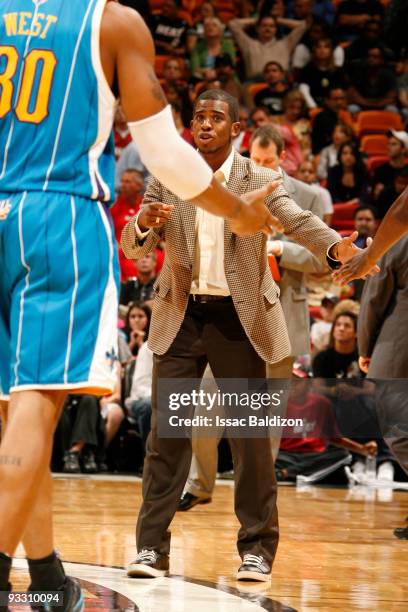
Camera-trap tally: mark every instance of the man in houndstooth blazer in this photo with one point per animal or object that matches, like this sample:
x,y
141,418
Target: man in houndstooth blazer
x,y
236,333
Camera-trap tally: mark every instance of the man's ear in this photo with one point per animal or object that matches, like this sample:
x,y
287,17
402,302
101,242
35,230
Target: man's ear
x,y
235,129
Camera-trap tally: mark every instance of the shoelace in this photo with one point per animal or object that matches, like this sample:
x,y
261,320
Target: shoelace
x,y
254,560
149,556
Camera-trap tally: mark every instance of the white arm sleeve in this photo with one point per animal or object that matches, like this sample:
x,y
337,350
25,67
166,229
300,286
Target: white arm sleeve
x,y
170,158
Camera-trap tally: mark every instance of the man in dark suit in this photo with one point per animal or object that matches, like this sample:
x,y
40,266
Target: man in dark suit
x,y
216,303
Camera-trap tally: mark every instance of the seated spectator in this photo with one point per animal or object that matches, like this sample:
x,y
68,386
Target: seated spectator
x,y
321,329
129,158
241,142
349,178
328,155
322,11
226,74
306,172
82,433
121,132
297,128
303,51
137,325
126,206
265,47
260,117
365,223
354,15
140,289
168,30
397,151
139,402
389,194
359,48
176,88
373,86
320,74
184,132
271,97
335,105
208,48
340,360
111,410
200,14
311,450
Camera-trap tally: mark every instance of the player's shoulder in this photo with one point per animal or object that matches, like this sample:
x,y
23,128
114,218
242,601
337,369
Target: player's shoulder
x,y
120,20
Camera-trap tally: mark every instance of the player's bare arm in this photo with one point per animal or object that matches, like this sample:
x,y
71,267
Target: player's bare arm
x,y
127,48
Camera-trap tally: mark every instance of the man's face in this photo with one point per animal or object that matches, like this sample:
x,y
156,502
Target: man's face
x,y
374,58
259,118
306,173
266,29
395,147
365,223
212,127
266,156
303,8
344,329
400,183
337,100
131,184
169,9
172,71
147,264
273,74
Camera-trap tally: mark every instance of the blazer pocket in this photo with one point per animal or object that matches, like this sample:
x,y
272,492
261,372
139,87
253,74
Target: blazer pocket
x,y
272,295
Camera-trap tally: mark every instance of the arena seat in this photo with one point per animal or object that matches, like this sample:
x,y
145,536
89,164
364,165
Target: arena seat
x,y
375,161
377,122
343,214
253,88
375,144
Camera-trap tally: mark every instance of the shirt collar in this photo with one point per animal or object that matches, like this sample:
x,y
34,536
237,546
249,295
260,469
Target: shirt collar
x,y
227,165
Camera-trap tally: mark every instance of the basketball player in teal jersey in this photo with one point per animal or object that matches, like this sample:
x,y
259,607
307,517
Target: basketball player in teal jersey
x,y
58,272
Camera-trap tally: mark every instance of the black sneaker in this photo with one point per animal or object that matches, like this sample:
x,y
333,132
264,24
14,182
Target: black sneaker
x,y
254,567
401,533
71,463
88,463
149,564
189,500
73,600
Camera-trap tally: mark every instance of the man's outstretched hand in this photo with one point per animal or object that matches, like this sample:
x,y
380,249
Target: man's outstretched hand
x,y
254,216
349,255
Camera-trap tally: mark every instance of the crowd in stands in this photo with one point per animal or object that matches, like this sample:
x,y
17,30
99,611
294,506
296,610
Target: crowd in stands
x,y
332,78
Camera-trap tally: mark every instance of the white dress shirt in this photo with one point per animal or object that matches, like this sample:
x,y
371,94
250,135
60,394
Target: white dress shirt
x,y
208,265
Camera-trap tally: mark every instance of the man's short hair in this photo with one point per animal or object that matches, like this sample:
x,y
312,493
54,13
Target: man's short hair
x,y
133,171
365,207
266,135
223,96
277,64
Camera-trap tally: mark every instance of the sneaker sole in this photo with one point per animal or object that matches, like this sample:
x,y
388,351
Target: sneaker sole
x,y
254,576
140,570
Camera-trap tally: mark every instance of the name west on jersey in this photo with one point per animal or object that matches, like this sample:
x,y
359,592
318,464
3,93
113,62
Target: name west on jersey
x,y
22,24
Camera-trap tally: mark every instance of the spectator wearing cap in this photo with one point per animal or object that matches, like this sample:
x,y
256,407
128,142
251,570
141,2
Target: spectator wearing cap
x,y
226,74
320,74
335,107
373,86
328,155
208,48
397,151
389,194
272,96
266,46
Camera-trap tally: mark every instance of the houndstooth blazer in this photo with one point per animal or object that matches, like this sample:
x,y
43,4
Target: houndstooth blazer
x,y
255,294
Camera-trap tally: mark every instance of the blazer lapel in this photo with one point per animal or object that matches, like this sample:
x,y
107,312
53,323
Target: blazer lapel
x,y
188,214
238,184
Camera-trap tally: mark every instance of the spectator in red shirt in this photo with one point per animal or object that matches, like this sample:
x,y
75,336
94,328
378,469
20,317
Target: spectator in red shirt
x,y
127,204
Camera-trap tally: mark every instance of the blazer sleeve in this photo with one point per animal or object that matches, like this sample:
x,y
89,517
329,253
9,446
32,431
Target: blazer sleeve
x,y
302,225
132,247
296,257
377,295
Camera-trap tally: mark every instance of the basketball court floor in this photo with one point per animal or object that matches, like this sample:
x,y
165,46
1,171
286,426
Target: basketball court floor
x,y
336,551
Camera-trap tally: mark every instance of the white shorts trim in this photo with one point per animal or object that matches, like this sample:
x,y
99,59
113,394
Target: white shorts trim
x,y
61,387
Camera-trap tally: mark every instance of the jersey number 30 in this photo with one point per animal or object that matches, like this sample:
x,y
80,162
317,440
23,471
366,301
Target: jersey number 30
x,y
33,90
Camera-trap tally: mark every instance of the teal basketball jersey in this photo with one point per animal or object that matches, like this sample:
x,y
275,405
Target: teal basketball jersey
x,y
56,107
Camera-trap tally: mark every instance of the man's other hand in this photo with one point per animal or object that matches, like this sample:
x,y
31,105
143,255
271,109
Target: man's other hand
x,y
254,215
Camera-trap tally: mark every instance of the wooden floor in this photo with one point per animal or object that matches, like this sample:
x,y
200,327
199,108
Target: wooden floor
x,y
336,551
